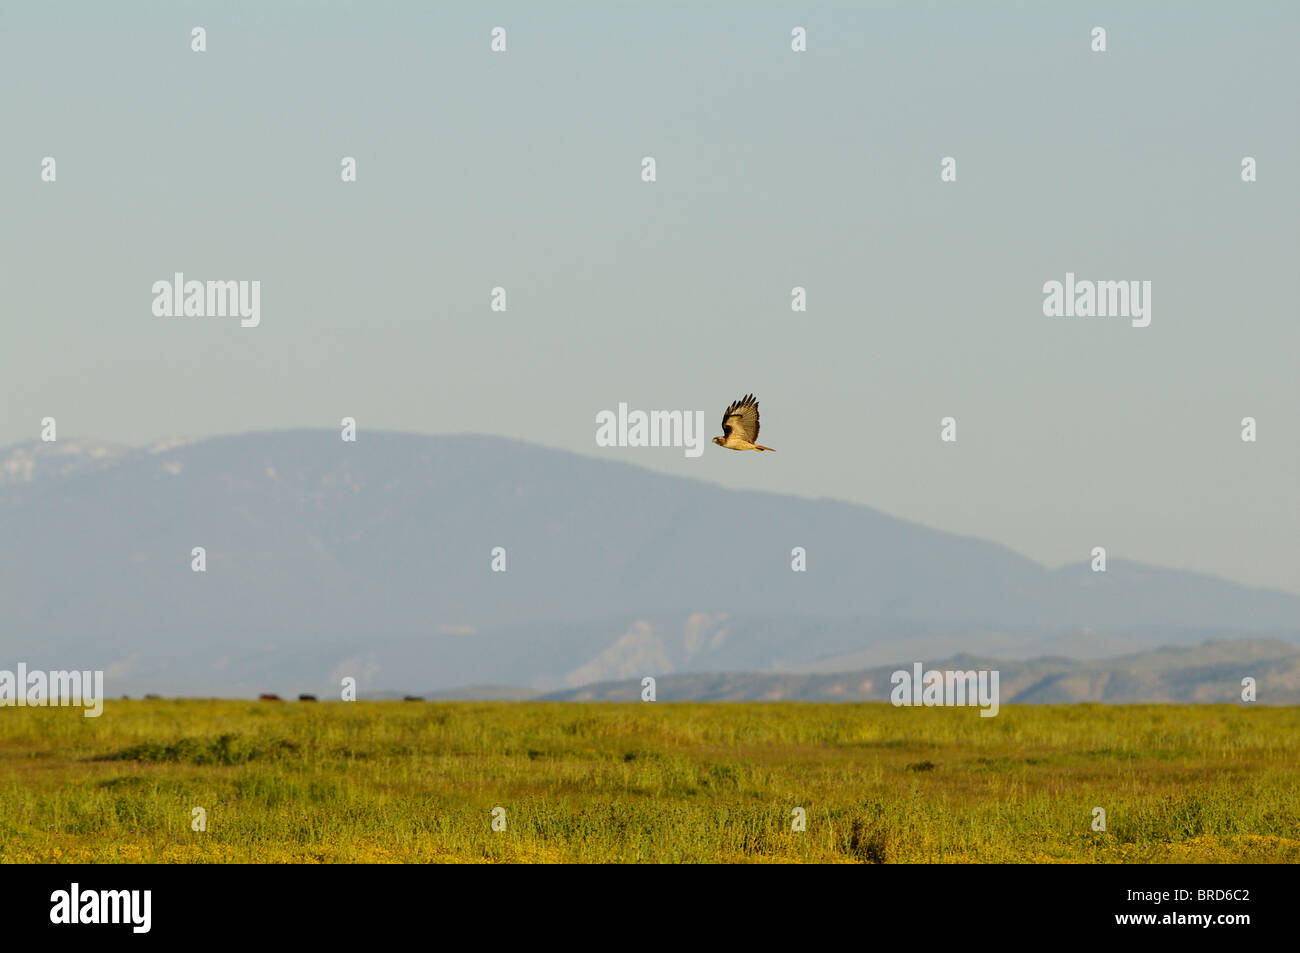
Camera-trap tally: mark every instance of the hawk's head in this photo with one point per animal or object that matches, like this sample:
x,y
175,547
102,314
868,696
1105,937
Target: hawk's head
x,y
718,441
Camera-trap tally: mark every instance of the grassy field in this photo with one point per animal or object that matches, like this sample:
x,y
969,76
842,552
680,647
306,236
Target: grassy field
x,y
417,782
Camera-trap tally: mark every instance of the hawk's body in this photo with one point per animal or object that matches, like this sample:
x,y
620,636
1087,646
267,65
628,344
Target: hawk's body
x,y
740,426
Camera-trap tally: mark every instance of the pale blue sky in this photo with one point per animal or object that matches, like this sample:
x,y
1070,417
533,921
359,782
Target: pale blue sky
x,y
775,169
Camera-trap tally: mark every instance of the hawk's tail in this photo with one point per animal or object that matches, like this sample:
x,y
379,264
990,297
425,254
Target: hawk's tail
x,y
759,446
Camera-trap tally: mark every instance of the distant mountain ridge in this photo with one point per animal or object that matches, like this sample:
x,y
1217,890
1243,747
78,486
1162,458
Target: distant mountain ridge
x,y
373,559
1211,673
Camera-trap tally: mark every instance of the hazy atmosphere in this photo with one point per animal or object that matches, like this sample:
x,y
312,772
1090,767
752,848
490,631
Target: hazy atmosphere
x,y
775,170
382,478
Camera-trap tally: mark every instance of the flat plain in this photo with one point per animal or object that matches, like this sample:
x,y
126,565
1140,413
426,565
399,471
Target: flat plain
x,y
417,782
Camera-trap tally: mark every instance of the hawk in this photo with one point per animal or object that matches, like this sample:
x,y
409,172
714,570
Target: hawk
x,y
740,426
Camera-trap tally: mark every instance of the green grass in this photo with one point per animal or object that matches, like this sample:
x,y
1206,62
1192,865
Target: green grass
x,y
416,782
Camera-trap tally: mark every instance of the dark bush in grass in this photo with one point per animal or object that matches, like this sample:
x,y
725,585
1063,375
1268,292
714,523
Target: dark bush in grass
x,y
228,749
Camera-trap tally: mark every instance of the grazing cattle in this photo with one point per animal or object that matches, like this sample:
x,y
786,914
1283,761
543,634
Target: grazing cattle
x,y
268,697
413,698
152,696
306,697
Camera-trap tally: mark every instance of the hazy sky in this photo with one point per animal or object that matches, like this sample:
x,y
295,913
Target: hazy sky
x,y
775,169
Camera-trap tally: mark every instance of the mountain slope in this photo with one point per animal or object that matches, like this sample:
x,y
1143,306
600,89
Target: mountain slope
x,y
373,559
1211,673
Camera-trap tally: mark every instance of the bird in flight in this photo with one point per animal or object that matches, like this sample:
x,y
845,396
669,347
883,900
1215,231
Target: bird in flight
x,y
740,426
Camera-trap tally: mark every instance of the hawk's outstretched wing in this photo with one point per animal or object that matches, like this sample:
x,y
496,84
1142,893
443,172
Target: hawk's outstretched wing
x,y
741,420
